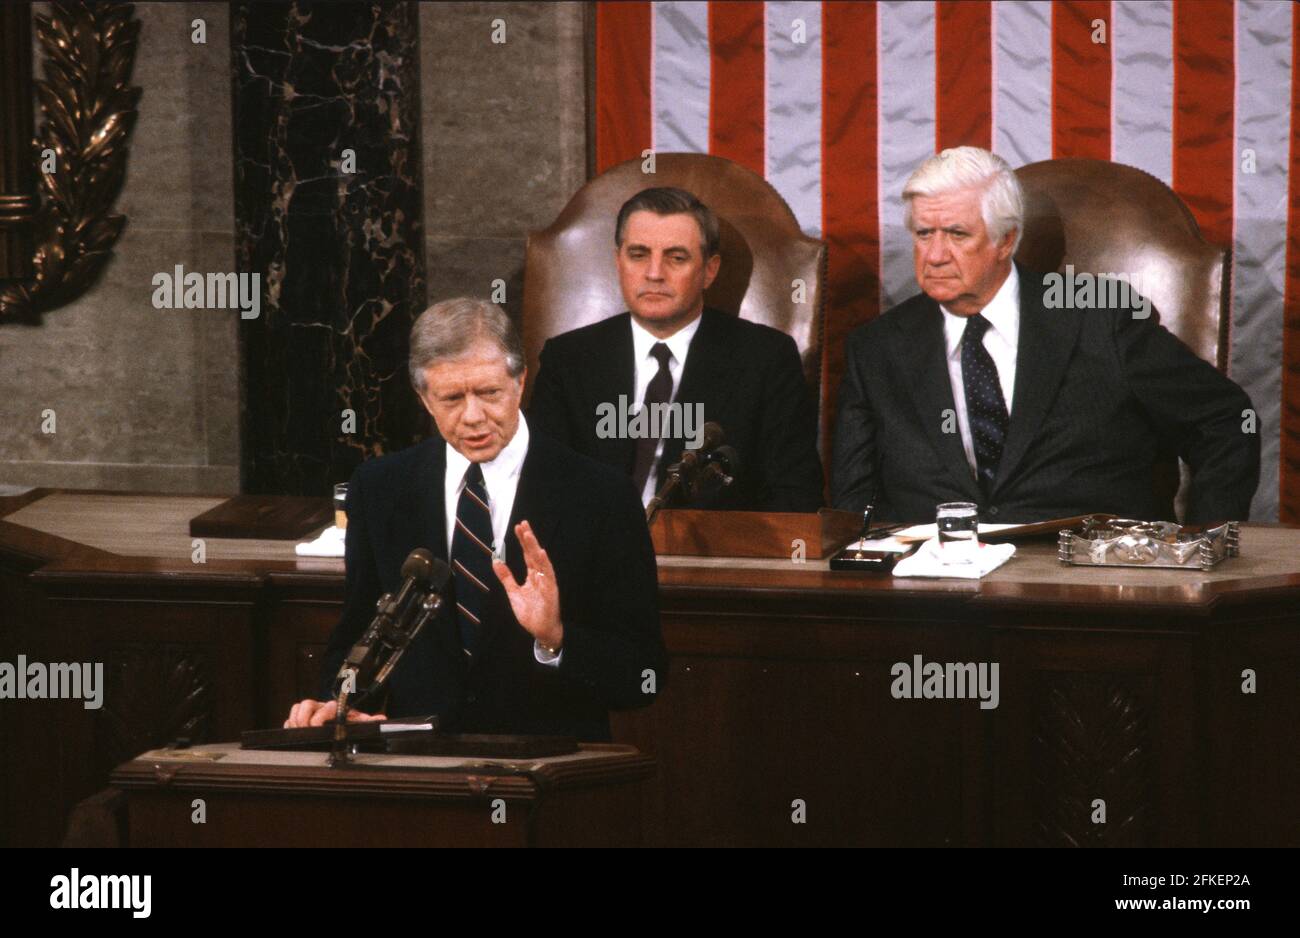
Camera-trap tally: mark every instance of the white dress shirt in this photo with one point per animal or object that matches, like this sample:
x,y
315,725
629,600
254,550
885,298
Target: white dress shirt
x,y
1003,314
647,366
501,479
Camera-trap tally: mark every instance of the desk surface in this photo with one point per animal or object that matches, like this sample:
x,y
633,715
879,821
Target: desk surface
x,y
128,534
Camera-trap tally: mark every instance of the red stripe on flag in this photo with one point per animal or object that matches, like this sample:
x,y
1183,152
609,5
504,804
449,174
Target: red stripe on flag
x,y
1081,79
1204,63
963,74
850,211
737,86
623,127
1289,482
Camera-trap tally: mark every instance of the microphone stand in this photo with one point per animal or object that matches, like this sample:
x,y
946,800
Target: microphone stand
x,y
397,622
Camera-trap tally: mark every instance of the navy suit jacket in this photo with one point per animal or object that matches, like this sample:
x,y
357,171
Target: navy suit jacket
x,y
747,377
1100,397
592,526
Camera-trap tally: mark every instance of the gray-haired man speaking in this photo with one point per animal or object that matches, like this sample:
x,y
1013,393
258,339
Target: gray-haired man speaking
x,y
554,618
977,390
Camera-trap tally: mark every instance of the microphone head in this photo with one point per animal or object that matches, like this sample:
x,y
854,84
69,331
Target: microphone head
x,y
439,574
727,458
418,566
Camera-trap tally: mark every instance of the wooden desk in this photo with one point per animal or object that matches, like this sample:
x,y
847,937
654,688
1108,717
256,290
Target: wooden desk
x,y
293,799
1123,685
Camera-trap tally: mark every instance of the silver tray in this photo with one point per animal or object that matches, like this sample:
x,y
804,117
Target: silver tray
x,y
1123,542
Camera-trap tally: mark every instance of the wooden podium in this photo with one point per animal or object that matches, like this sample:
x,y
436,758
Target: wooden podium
x,y
293,799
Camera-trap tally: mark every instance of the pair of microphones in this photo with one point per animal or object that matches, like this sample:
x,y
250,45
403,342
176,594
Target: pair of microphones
x,y
711,466
399,618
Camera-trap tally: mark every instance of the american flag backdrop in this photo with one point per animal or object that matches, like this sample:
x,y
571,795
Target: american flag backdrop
x,y
835,103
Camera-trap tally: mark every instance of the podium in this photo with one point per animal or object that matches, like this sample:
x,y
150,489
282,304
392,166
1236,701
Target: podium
x,y
222,796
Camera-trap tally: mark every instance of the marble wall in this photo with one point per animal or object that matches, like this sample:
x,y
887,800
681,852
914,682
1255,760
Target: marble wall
x,y
504,137
150,399
328,213
143,399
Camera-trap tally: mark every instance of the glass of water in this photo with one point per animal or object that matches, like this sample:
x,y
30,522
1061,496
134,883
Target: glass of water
x,y
340,503
958,524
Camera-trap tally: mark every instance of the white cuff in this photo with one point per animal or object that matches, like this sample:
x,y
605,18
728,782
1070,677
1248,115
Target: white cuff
x,y
545,657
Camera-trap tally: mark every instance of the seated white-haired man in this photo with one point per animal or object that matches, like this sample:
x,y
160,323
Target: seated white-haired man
x,y
984,389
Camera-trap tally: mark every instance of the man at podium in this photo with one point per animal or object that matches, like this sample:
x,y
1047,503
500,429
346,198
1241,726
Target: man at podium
x,y
550,617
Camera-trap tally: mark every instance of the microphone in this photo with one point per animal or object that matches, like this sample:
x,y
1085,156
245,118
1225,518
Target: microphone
x,y
398,619
721,466
683,472
711,439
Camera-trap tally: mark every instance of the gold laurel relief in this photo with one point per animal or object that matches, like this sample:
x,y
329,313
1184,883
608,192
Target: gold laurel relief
x,y
88,108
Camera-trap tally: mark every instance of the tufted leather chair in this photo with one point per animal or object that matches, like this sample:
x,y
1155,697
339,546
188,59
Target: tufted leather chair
x,y
1105,217
570,279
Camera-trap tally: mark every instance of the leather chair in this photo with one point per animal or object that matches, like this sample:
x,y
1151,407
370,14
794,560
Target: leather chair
x,y
1107,217
570,278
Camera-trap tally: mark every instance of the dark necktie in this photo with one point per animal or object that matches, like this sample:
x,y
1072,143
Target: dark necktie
x,y
471,556
658,391
985,409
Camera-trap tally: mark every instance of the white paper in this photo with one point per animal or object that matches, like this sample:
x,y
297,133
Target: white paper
x,y
330,544
928,562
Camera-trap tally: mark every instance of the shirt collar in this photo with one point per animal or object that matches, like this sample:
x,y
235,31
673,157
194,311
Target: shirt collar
x,y
678,343
499,472
1002,312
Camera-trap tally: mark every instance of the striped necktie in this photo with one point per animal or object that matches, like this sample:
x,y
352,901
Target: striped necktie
x,y
986,411
471,556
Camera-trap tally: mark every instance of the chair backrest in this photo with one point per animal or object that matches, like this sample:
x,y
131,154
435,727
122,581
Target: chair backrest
x,y
1104,217
570,278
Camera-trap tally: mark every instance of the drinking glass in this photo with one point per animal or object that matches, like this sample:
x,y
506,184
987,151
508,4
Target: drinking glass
x,y
958,524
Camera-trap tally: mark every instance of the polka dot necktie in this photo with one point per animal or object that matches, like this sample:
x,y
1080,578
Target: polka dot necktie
x,y
986,411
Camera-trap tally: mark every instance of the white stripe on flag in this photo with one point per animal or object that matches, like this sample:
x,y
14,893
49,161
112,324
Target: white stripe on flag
x,y
1142,103
1264,61
1022,77
907,131
793,151
680,83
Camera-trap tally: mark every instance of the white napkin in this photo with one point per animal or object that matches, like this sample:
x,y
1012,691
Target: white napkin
x,y
329,544
926,562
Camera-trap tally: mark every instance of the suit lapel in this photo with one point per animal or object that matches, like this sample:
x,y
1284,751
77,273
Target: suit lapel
x,y
613,373
430,515
923,353
537,501
1047,340
706,378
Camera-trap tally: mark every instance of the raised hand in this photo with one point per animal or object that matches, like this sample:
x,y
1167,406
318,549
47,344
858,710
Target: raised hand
x,y
536,603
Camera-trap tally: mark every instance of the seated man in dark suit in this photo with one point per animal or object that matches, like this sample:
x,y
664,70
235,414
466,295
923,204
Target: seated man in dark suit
x,y
982,389
669,348
568,626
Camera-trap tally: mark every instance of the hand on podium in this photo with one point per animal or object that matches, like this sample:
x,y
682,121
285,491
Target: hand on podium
x,y
320,712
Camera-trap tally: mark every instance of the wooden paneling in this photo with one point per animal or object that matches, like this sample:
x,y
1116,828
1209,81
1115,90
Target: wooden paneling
x,y
1121,688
